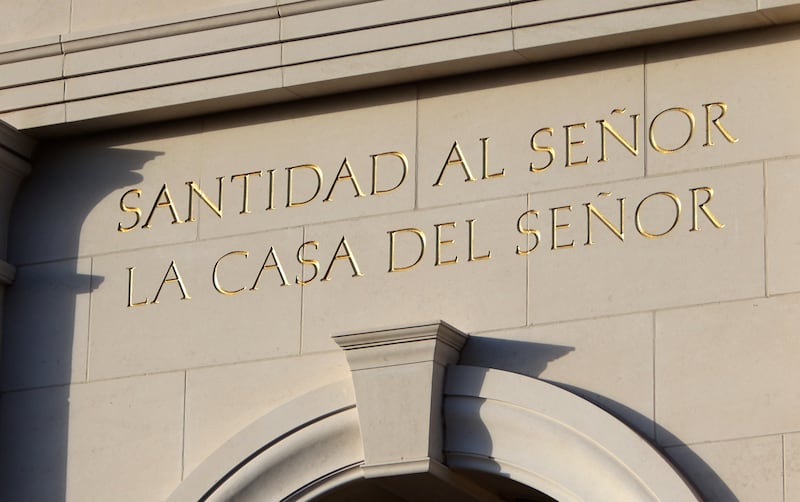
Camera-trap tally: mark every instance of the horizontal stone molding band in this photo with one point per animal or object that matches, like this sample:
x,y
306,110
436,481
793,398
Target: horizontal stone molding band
x,y
257,55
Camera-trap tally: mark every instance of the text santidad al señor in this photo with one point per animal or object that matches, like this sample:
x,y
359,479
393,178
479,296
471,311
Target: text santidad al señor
x,y
394,166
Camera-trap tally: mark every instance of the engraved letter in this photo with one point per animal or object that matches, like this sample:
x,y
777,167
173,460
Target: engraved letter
x,y
349,176
675,200
568,129
130,209
131,303
266,266
590,210
537,148
392,236
695,206
167,202
554,212
403,160
689,115
528,231
486,174
194,188
176,278
458,160
348,255
722,109
289,187
246,188
302,260
605,126
215,277
271,190
472,256
440,242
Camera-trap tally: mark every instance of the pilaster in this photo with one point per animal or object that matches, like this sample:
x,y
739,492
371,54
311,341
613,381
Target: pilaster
x,y
16,150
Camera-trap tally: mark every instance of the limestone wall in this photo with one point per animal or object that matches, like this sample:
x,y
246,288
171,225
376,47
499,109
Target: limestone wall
x,y
619,224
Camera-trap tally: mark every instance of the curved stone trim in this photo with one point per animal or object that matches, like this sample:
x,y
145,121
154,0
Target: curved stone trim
x,y
496,422
548,438
307,440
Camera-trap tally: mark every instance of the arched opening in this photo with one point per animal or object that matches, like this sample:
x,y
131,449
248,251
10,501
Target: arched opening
x,y
414,425
512,436
370,490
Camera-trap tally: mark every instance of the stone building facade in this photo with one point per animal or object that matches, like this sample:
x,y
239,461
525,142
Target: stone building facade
x,y
399,250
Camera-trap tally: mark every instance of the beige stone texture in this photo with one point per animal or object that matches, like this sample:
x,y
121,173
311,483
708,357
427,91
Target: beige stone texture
x,y
30,71
612,28
370,44
745,469
310,435
780,11
608,361
727,370
690,338
509,107
32,95
396,35
172,72
222,400
47,318
473,295
402,64
117,440
33,19
364,14
206,328
125,438
182,45
551,439
323,133
682,267
34,117
533,13
83,182
401,428
181,100
783,226
763,122
34,428
97,14
791,466
399,378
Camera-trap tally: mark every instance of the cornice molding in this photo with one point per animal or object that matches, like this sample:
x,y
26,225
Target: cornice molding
x,y
16,143
271,51
437,330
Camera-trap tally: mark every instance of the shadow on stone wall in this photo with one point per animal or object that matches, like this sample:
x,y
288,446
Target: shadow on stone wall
x,y
531,359
46,326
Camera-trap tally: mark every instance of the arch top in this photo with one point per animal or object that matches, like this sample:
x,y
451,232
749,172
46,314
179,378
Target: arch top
x,y
462,419
551,439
